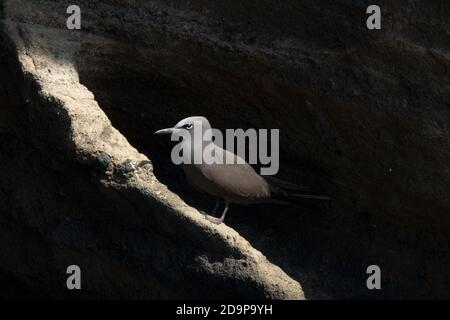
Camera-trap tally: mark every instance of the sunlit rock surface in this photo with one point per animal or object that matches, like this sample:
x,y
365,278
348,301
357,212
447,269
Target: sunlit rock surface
x,y
362,114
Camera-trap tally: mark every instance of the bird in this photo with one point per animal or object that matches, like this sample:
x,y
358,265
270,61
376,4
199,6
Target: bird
x,y
236,182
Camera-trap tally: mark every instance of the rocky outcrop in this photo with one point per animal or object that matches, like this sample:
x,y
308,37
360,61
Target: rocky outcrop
x,y
71,193
364,114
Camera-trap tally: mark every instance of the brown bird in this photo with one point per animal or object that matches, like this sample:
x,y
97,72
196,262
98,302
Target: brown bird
x,y
235,182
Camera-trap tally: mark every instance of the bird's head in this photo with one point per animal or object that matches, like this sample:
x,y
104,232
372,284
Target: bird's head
x,y
189,125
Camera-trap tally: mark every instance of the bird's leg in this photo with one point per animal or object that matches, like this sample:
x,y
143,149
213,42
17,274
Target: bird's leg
x,y
214,210
211,217
216,207
219,220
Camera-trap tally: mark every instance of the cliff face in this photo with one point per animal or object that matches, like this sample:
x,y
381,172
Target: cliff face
x,y
364,114
69,194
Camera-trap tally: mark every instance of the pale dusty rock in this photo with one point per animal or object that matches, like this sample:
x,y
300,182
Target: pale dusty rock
x,y
362,114
178,253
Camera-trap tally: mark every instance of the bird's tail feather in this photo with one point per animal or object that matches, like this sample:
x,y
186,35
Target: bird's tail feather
x,y
312,196
289,193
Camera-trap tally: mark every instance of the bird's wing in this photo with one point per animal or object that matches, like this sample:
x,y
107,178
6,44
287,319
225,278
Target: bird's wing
x,y
237,180
295,190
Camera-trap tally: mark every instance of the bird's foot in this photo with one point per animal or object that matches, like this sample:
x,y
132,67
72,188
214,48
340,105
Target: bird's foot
x,y
213,219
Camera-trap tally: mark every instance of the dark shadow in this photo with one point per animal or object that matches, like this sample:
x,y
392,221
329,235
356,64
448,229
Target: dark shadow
x,y
328,262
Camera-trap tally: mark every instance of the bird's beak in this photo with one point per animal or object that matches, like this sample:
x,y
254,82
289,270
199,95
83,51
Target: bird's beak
x,y
164,131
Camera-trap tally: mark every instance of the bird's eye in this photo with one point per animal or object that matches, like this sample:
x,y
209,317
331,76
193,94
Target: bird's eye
x,y
187,126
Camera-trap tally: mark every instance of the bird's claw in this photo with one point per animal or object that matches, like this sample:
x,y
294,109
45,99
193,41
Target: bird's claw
x,y
213,219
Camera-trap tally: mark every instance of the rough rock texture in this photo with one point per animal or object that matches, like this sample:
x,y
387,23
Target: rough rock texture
x,y
364,114
69,194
